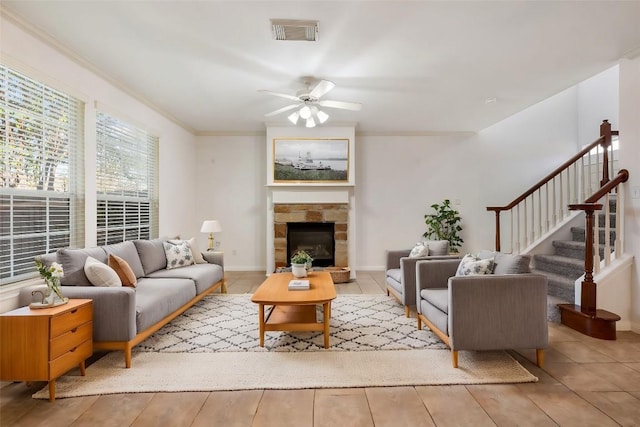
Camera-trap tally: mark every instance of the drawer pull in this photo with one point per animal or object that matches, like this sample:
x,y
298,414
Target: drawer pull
x,y
73,350
74,330
74,311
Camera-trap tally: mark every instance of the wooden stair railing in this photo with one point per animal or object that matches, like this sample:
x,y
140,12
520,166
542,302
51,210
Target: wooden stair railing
x,y
567,184
586,317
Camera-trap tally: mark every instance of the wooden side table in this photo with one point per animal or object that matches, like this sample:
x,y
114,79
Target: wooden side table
x,y
43,344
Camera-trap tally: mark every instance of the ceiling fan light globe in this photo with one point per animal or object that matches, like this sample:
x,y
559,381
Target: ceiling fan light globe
x,y
310,123
305,112
293,117
322,116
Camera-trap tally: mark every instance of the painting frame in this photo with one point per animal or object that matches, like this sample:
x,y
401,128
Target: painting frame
x,y
311,161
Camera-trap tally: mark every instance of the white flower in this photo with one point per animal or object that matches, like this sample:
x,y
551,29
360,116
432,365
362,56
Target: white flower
x,y
56,270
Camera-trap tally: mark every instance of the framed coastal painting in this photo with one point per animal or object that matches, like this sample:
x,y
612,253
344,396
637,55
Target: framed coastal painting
x,y
312,160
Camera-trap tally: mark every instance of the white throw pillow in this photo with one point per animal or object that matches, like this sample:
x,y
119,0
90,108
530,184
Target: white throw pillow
x,y
474,266
100,274
197,255
178,255
419,250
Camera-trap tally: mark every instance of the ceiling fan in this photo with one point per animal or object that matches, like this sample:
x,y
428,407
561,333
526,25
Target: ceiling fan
x,y
307,103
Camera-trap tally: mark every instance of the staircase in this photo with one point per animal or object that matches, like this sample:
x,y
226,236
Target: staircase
x,y
584,183
566,264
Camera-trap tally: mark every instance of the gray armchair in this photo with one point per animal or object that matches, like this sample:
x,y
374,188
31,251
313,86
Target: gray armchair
x,y
400,271
488,312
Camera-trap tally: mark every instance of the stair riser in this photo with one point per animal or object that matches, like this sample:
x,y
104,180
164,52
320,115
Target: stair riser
x,y
566,270
561,291
577,234
612,220
574,253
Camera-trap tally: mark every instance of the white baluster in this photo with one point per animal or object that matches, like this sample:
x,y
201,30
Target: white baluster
x,y
607,231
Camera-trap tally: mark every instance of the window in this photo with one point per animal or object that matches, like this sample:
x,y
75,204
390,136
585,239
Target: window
x,y
41,173
126,180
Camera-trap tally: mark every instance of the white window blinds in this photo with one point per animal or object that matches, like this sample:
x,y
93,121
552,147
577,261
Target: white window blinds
x,y
41,173
126,180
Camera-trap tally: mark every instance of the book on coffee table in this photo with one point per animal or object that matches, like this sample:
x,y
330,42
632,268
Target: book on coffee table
x,y
299,285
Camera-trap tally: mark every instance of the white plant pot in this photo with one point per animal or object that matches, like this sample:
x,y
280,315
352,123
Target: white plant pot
x,y
299,270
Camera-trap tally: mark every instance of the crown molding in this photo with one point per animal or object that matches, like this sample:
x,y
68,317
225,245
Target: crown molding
x,y
231,133
84,63
457,133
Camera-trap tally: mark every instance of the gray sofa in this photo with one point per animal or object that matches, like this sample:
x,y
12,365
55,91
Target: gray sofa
x,y
125,316
506,309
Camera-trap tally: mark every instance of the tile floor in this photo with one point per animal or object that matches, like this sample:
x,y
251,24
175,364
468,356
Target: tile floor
x,y
585,382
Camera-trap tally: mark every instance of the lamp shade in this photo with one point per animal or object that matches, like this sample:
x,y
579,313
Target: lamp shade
x,y
211,226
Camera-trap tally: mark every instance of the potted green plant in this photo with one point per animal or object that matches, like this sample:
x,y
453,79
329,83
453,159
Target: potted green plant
x,y
300,263
444,224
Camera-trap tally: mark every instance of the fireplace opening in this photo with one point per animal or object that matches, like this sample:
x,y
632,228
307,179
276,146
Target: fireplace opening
x,y
315,238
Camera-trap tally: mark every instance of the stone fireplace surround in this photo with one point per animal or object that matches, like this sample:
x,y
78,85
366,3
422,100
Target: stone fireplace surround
x,y
337,213
311,204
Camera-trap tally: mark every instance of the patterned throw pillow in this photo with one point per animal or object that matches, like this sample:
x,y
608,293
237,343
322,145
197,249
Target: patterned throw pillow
x,y
197,256
178,255
419,250
474,266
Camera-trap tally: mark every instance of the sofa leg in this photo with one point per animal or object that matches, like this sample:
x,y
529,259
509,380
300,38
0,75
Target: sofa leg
x,y
539,357
127,356
388,292
419,323
407,311
454,358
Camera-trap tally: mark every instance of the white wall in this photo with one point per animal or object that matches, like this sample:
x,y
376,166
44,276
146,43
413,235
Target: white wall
x,y
400,177
230,184
597,101
630,160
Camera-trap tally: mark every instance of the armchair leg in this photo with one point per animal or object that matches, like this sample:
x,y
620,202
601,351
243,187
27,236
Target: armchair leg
x,y
539,357
388,292
454,358
419,323
407,311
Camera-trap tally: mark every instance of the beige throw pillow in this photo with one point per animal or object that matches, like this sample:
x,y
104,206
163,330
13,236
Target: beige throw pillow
x,y
100,274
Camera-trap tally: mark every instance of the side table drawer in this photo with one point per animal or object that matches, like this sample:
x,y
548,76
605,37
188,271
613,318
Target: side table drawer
x,y
71,319
70,359
70,339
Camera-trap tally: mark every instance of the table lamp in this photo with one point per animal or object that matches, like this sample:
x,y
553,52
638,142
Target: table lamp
x,y
210,226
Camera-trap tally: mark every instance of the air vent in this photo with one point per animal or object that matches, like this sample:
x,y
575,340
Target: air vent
x,y
291,29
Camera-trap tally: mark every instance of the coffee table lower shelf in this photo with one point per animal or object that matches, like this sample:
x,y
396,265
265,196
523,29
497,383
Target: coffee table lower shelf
x,y
294,318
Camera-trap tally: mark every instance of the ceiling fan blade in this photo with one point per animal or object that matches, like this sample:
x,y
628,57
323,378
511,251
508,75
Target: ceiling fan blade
x,y
282,110
353,106
282,95
321,88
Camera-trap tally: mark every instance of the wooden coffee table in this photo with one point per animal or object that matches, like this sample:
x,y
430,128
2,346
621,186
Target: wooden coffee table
x,y
294,310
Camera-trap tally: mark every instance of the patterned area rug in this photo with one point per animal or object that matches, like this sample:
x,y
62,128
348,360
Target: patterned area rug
x,y
229,323
214,346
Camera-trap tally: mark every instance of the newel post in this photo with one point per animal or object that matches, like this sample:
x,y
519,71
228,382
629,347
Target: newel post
x,y
588,295
605,131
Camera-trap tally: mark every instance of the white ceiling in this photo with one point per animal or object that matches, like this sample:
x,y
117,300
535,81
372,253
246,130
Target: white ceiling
x,y
417,66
